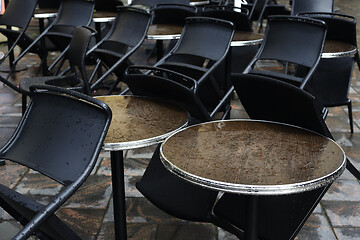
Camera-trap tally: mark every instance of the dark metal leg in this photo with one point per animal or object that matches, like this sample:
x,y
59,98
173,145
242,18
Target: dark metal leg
x,y
159,49
252,218
117,173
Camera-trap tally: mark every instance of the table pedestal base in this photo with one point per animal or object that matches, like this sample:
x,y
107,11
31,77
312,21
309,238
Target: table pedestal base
x,y
251,230
117,174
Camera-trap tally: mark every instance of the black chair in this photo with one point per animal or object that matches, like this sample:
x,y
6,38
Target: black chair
x,y
172,13
240,56
280,217
238,16
54,4
57,36
202,47
262,9
293,45
107,5
77,79
153,3
15,21
306,6
172,87
331,80
48,140
126,35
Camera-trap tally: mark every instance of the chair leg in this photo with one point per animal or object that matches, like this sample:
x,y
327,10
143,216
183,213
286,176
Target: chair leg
x,y
349,105
352,169
23,103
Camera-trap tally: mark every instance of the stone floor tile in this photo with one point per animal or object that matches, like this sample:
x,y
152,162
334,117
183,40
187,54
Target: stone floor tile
x,y
145,152
189,231
135,231
11,173
84,222
140,210
94,193
105,167
343,190
343,213
9,229
130,188
347,233
316,228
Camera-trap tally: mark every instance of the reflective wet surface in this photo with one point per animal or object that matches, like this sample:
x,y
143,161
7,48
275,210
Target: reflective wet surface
x,y
89,212
138,119
253,153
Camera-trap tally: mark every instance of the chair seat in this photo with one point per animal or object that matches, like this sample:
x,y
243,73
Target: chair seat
x,y
280,76
60,81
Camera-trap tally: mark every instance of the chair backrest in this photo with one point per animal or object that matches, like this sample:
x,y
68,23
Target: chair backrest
x,y
208,38
130,26
49,3
256,10
173,13
294,41
340,27
299,6
269,99
18,13
107,5
153,3
60,134
166,85
77,52
238,16
75,13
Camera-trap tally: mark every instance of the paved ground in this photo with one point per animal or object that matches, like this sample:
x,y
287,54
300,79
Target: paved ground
x,y
89,211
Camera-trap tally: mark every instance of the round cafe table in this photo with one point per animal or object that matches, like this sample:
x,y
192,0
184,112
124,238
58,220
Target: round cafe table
x,y
136,122
253,158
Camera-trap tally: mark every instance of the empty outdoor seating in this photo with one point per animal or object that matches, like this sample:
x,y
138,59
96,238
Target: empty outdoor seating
x,y
306,6
262,9
172,13
331,81
15,21
280,217
293,45
202,47
238,16
170,86
153,3
125,36
60,136
57,36
241,55
77,78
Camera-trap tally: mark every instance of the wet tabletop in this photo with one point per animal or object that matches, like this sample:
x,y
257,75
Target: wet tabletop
x,y
242,156
246,38
338,49
168,31
137,121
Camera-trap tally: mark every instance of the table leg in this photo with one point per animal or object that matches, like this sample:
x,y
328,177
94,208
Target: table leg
x,y
252,218
117,173
159,49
